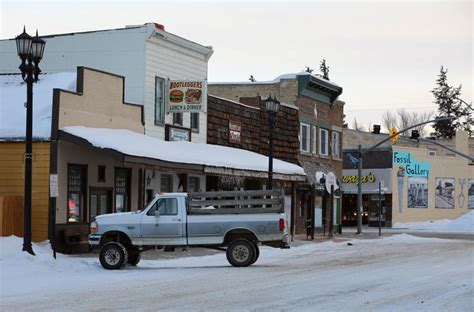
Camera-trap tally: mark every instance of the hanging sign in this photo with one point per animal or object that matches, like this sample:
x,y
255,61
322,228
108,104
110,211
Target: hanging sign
x,y
235,128
186,96
331,181
53,185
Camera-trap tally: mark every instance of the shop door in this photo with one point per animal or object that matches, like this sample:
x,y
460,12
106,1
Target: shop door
x,y
100,200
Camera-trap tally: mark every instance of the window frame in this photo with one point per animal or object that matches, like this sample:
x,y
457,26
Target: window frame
x,y
335,146
308,137
127,172
178,119
83,213
160,115
314,141
170,181
326,145
191,118
198,184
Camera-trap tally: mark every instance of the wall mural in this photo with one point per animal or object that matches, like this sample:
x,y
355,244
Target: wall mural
x,y
417,192
444,192
470,194
461,197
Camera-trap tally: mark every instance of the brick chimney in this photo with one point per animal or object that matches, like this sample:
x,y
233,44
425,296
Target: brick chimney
x,y
376,129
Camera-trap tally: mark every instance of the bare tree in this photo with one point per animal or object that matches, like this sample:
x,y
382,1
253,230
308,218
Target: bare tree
x,y
422,117
402,119
357,126
389,120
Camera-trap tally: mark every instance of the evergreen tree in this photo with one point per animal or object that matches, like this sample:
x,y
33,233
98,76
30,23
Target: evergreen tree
x,y
449,105
324,69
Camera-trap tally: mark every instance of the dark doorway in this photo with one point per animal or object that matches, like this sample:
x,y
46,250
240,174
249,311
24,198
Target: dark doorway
x,y
100,201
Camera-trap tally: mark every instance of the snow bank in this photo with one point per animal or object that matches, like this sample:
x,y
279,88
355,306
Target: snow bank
x,y
13,98
136,144
464,223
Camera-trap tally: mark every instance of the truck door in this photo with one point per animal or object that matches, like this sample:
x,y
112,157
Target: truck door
x,y
166,227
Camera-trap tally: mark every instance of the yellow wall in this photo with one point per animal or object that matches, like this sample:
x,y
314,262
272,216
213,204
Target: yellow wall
x,y
441,167
12,177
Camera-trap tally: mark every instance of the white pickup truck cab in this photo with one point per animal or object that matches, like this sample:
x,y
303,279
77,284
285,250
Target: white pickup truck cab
x,y
236,222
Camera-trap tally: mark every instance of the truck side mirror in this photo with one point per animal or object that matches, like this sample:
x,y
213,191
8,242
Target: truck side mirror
x,y
157,213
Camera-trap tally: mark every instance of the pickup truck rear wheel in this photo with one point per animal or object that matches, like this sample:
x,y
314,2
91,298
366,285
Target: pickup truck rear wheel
x,y
113,256
133,256
241,253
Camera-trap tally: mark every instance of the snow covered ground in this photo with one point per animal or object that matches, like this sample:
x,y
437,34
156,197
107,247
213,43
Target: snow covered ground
x,y
396,273
463,224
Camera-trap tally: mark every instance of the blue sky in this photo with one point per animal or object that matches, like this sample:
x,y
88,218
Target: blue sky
x,y
385,54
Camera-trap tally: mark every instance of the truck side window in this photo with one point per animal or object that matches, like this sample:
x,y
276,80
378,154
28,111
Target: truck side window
x,y
166,206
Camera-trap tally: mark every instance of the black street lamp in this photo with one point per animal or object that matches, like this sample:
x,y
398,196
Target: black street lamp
x,y
30,50
271,105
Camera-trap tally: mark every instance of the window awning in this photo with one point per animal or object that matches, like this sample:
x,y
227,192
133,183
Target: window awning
x,y
215,159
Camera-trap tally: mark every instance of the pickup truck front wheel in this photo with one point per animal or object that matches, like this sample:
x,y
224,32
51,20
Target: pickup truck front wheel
x,y
241,253
113,256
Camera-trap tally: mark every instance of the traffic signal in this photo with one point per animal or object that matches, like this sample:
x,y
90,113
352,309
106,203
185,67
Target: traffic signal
x,y
415,134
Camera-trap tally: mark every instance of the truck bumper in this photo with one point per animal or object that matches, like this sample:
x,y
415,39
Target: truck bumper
x,y
94,239
285,242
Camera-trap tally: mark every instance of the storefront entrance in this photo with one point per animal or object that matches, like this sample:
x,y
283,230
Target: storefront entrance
x,y
100,201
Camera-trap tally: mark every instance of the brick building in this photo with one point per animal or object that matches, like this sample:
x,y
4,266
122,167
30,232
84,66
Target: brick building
x,y
320,119
245,125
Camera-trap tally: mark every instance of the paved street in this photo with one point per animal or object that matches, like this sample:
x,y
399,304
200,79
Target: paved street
x,y
397,273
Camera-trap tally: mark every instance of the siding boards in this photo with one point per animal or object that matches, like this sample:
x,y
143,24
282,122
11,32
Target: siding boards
x,y
12,183
166,60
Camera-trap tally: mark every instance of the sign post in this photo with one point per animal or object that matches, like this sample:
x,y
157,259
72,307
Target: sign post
x,y
380,208
53,193
331,186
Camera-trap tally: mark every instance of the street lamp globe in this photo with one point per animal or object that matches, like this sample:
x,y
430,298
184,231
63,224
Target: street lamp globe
x,y
23,44
37,48
272,104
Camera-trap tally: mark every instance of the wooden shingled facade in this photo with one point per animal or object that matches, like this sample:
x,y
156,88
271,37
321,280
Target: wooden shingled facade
x,y
225,117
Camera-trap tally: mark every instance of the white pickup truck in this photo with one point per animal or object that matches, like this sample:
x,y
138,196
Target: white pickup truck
x,y
234,221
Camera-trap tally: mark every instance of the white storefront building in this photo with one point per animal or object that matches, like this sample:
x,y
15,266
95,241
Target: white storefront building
x,y
148,57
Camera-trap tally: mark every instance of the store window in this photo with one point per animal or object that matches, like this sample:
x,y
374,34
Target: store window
x,y
195,122
178,119
159,101
304,137
323,142
194,184
76,192
336,144
122,189
166,183
101,173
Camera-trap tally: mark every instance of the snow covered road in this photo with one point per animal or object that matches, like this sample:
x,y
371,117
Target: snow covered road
x,y
397,273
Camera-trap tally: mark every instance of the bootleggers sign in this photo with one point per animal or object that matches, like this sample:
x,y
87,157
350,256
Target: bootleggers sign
x,y
188,96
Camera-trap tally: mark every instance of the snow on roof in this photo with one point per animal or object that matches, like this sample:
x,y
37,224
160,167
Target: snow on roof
x,y
140,145
276,80
13,98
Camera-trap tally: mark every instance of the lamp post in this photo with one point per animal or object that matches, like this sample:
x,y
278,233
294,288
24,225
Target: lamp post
x,y
271,105
30,50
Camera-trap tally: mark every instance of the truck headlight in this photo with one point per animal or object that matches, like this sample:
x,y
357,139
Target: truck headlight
x,y
93,227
